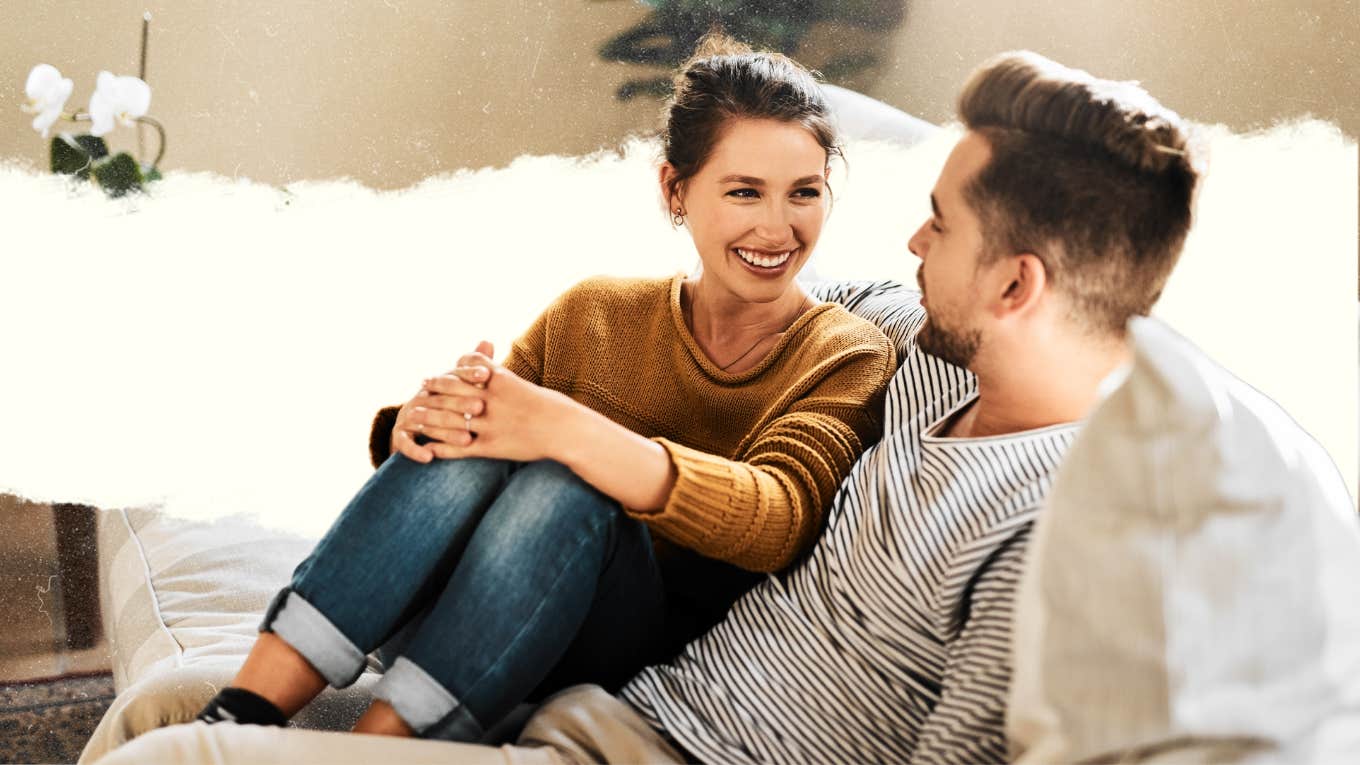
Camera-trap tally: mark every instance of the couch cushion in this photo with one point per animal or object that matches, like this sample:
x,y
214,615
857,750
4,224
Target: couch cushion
x,y
1190,592
860,117
181,602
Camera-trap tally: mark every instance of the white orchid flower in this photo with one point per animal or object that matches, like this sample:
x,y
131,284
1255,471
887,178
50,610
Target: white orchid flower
x,y
47,92
117,99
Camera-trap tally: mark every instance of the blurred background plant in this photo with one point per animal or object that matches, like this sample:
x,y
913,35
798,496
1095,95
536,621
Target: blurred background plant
x,y
668,35
116,101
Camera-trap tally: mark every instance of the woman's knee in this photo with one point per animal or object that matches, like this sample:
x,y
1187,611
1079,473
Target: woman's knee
x,y
546,495
443,480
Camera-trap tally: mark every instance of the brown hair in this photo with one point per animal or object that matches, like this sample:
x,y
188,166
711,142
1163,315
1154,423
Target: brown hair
x,y
1095,177
725,79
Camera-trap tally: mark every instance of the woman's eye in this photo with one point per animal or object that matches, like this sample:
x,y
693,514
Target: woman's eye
x,y
744,193
934,226
808,193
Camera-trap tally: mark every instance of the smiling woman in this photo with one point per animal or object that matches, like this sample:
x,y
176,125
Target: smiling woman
x,y
755,213
603,497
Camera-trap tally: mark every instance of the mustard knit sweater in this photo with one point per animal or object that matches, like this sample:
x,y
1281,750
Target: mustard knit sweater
x,y
758,455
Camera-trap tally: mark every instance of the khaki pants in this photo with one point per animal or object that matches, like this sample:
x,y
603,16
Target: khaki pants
x,y
579,725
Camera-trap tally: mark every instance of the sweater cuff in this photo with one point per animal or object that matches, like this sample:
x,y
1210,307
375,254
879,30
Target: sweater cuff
x,y
380,435
704,505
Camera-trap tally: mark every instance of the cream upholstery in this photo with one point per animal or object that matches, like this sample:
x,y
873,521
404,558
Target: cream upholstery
x,y
1190,594
181,601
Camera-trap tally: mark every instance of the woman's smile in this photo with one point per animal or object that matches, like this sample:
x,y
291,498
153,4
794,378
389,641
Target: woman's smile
x,y
766,263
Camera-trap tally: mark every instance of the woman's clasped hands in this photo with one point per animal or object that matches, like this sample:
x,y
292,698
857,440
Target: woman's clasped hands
x,y
480,409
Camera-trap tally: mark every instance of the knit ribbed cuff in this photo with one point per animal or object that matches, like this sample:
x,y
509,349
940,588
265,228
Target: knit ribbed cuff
x,y
713,506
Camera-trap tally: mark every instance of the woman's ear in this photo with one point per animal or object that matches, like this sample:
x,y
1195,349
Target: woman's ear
x,y
670,191
830,195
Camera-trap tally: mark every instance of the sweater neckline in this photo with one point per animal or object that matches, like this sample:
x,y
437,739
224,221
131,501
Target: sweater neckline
x,y
713,370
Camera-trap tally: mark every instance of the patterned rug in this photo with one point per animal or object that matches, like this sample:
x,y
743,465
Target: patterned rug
x,y
50,720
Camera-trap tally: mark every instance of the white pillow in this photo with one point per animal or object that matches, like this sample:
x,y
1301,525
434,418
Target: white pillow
x,y
1193,588
181,602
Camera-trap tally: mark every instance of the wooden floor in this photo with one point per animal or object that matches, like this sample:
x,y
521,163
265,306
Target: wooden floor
x,y
48,619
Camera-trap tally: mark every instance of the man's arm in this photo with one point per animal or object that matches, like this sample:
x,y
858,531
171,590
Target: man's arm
x,y
968,725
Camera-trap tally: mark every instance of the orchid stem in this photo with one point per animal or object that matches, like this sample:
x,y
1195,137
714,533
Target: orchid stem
x,y
141,73
160,129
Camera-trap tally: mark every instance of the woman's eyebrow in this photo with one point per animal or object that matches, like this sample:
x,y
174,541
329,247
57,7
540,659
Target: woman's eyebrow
x,y
750,180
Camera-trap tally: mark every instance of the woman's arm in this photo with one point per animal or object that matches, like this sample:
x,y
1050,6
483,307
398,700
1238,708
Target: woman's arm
x,y
525,422
764,509
759,511
634,470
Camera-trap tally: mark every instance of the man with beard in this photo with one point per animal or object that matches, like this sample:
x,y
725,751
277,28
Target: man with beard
x,y
1057,217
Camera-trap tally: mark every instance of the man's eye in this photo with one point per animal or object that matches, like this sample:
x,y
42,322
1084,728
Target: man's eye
x,y
744,193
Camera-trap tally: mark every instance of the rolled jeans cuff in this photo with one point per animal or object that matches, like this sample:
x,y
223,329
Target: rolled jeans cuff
x,y
424,704
311,634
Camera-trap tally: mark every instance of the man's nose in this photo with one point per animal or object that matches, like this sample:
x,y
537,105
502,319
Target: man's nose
x,y
917,243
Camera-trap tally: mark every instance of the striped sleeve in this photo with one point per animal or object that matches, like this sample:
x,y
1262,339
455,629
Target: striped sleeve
x,y
967,724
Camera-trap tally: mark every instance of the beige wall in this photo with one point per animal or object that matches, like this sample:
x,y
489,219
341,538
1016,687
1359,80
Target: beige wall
x,y
1245,63
390,91
387,91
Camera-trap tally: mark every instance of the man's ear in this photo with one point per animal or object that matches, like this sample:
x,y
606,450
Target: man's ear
x,y
1024,280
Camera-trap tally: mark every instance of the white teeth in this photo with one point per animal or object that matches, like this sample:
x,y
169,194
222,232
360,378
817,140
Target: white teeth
x,y
764,261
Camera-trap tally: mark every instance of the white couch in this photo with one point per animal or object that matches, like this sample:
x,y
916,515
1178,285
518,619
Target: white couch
x,y
180,603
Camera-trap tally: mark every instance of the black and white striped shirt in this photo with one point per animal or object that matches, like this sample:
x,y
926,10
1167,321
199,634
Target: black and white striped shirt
x,y
891,641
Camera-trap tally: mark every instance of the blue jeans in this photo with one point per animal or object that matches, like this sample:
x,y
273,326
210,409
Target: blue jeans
x,y
498,578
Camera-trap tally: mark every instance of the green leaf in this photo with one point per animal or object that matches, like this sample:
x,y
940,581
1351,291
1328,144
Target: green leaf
x,y
93,145
119,175
69,158
656,87
845,65
150,174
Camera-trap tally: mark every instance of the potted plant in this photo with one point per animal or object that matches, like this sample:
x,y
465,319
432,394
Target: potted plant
x,y
117,101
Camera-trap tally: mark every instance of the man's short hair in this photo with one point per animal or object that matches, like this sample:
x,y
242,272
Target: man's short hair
x,y
1095,177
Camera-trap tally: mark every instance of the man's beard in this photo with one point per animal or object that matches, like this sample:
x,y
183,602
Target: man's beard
x,y
957,348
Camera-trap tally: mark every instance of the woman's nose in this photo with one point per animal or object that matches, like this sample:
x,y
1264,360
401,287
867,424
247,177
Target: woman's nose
x,y
775,225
